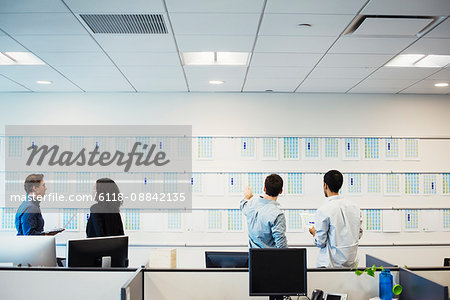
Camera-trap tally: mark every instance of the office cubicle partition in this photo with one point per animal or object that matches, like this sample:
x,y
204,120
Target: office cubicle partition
x,y
416,287
133,289
372,260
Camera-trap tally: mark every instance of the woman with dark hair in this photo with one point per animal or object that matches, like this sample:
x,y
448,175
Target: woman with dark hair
x,y
104,217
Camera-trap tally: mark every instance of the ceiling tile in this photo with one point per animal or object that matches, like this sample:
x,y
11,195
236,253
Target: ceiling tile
x,y
443,74
402,73
354,60
426,87
335,85
138,43
27,6
315,7
145,58
215,72
207,6
75,58
28,75
371,45
347,73
154,78
285,59
97,78
407,7
59,43
115,6
278,72
199,85
7,85
211,24
7,44
235,43
295,44
40,23
287,24
385,26
382,85
273,84
441,31
430,46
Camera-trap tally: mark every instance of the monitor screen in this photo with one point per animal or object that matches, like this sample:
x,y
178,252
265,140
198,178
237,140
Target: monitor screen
x,y
28,250
89,252
217,259
277,272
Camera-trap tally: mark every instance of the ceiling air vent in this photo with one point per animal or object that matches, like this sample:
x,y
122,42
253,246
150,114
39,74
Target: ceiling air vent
x,y
368,25
125,23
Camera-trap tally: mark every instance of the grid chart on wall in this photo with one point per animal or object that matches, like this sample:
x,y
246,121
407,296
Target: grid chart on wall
x,y
294,219
8,218
291,148
132,219
312,148
196,182
374,183
411,148
270,148
351,148
174,220
391,150
411,221
354,183
295,183
256,182
234,183
392,184
446,219
205,147
248,147
429,184
15,146
412,183
373,220
234,220
70,217
331,149
446,183
371,148
214,220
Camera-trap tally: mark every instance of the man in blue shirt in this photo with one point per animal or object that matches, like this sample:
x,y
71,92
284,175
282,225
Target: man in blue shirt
x,y
266,222
29,219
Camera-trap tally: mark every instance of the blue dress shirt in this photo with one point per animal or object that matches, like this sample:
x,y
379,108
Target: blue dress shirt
x,y
29,219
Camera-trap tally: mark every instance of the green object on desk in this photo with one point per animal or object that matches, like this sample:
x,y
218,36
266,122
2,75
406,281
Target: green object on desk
x,y
397,289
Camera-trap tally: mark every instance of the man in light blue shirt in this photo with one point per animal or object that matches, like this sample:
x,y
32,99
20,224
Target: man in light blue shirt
x,y
266,222
338,226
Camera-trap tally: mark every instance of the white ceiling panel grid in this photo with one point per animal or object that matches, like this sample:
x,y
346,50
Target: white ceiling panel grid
x,y
403,73
443,74
59,43
7,44
145,58
321,25
285,59
371,45
430,46
279,72
315,7
272,84
75,58
354,60
40,23
205,43
408,7
426,87
7,85
217,6
27,6
382,85
115,6
155,78
336,85
347,73
210,24
294,44
141,42
440,31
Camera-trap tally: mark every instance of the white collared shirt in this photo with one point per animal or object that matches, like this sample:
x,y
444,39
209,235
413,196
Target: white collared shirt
x,y
338,227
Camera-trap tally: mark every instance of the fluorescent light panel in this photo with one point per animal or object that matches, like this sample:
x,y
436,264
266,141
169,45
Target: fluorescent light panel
x,y
19,58
419,61
215,58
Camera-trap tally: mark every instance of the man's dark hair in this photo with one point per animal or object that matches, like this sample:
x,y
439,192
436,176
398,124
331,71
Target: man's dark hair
x,y
334,180
273,185
31,181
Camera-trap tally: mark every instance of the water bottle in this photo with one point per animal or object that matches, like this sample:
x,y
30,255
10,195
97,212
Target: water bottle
x,y
386,283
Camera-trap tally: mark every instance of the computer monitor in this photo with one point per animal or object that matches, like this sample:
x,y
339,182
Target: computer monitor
x,y
28,250
218,259
89,252
277,272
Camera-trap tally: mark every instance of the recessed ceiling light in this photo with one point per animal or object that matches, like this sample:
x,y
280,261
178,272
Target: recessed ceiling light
x,y
216,81
419,61
441,84
44,82
215,58
19,58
